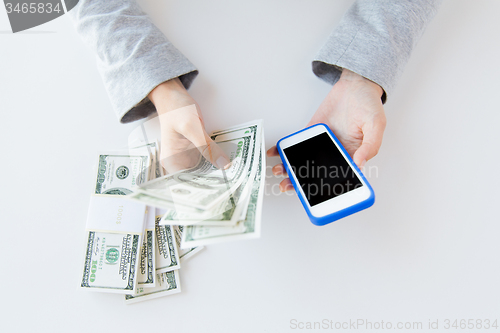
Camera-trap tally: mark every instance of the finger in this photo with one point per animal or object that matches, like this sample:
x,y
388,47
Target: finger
x,y
372,140
279,169
196,133
273,151
286,185
213,153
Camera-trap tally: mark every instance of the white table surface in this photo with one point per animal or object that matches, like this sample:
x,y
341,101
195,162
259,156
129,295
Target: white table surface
x,y
427,250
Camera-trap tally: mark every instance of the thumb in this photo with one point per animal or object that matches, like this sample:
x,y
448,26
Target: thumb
x,y
208,148
213,153
372,140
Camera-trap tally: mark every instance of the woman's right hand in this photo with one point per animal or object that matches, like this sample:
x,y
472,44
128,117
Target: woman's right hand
x,y
183,135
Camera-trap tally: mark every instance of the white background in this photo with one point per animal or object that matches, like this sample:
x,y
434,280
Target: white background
x,y
427,250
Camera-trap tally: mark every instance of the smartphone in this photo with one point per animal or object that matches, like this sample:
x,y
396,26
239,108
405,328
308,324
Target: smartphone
x,y
327,181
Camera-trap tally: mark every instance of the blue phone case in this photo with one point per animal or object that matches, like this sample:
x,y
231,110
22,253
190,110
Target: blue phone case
x,y
336,215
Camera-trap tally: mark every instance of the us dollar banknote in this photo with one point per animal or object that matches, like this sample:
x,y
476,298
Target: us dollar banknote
x,y
167,254
184,254
202,187
120,173
248,227
147,268
168,284
114,236
229,211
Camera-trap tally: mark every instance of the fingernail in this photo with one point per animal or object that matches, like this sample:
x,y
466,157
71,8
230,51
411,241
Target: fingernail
x,y
362,164
223,163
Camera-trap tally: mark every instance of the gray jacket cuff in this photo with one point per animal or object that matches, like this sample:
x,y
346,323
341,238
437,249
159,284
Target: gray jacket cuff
x,y
133,55
374,39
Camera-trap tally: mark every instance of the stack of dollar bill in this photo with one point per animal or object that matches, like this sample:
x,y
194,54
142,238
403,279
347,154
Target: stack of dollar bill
x,y
142,224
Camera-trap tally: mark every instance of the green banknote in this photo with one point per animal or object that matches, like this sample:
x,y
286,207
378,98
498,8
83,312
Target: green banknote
x,y
168,284
249,227
111,262
147,268
114,237
121,173
204,186
167,255
229,211
184,254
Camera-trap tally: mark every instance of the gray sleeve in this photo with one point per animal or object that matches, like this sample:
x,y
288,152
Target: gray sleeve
x,y
133,56
374,39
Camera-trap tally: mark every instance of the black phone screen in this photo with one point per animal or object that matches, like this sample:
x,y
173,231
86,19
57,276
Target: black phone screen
x,y
321,169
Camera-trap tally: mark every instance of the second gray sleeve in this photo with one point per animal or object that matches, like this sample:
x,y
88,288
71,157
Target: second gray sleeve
x,y
375,39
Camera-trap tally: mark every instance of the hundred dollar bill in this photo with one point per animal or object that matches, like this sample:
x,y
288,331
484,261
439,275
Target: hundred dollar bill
x,y
223,214
152,169
168,284
227,212
151,149
158,168
119,173
197,235
114,234
184,254
167,255
147,270
255,126
203,186
161,203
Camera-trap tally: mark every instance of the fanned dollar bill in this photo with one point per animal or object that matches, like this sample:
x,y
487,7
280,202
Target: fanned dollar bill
x,y
147,268
159,172
228,212
114,235
152,150
168,284
203,186
196,235
184,254
167,255
120,173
